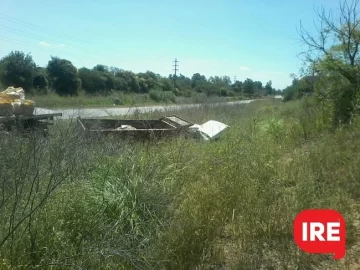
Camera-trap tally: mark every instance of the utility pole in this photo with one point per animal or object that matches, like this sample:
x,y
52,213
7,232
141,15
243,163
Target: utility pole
x,y
176,69
234,79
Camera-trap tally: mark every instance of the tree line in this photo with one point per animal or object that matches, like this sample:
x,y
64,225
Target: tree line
x,y
61,76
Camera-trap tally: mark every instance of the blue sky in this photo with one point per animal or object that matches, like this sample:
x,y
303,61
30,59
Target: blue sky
x,y
254,39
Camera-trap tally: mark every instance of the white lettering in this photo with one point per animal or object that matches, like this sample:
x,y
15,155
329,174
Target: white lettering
x,y
333,231
316,230
304,231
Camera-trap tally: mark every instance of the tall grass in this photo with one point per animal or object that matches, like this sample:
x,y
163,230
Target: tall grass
x,y
187,204
53,100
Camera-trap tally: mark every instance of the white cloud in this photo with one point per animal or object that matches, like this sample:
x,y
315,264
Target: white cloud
x,y
52,45
44,44
244,68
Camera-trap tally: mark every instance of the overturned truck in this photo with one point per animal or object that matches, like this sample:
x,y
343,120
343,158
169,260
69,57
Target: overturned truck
x,y
165,127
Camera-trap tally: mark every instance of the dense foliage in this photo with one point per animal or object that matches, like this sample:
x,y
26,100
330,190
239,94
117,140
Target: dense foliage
x,y
64,76
300,88
333,62
70,202
17,69
66,80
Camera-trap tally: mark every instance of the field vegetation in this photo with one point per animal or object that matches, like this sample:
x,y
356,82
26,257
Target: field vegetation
x,y
74,202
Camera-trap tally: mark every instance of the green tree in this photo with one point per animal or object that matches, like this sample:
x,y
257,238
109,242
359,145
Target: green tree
x,y
223,92
268,88
290,92
201,85
334,52
258,86
166,84
64,76
226,80
101,68
183,85
248,87
198,80
300,87
114,70
41,81
182,82
131,79
148,81
120,84
237,87
18,70
92,81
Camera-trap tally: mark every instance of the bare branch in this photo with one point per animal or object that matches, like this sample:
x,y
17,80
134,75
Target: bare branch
x,y
336,37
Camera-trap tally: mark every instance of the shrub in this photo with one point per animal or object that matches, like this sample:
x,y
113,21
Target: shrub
x,y
162,96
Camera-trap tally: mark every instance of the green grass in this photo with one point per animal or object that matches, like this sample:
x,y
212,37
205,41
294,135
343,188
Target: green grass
x,y
55,101
183,204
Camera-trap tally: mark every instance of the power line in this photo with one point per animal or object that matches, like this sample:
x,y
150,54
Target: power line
x,y
53,33
37,38
63,49
25,33
28,30
37,28
15,41
47,32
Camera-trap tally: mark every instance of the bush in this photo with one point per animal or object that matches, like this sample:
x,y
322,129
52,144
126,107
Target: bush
x,y
162,96
231,94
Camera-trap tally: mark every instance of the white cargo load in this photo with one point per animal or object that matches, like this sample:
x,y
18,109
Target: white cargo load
x,y
208,131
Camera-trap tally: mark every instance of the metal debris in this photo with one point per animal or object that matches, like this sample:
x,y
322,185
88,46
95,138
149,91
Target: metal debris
x,y
167,126
210,130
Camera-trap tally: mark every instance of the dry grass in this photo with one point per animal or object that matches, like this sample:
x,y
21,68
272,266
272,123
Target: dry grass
x,y
184,204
